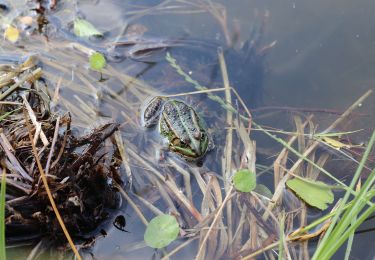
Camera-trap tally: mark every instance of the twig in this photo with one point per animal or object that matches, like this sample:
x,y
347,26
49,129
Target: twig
x,y
55,135
38,126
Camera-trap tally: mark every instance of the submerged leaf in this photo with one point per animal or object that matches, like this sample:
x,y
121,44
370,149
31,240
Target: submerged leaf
x,y
263,190
315,193
334,143
244,180
83,28
97,61
11,34
161,231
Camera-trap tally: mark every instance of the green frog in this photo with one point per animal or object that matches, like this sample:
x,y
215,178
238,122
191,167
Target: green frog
x,y
184,130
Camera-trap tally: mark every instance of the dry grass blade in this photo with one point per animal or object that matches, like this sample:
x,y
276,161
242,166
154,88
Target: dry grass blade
x,y
55,135
124,157
38,126
179,196
227,161
312,148
217,215
7,148
29,77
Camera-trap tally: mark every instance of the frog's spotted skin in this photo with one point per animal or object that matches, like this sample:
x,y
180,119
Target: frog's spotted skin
x,y
152,112
180,124
186,126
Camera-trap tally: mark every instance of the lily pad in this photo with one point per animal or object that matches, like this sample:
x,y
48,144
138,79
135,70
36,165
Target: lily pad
x,y
97,61
244,180
83,28
315,193
161,231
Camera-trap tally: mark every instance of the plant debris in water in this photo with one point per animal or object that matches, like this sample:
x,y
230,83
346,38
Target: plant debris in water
x,y
77,166
204,203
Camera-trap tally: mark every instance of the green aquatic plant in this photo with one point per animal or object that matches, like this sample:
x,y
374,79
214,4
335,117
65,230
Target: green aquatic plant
x,y
83,28
161,231
244,180
97,61
348,210
347,220
315,193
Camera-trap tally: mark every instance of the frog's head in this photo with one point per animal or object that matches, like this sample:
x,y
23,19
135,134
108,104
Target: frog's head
x,y
151,111
192,147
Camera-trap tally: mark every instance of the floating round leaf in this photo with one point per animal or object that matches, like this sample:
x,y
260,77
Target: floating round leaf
x,y
161,231
11,34
244,180
97,61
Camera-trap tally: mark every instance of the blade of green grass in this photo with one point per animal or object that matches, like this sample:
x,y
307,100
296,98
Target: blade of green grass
x,y
2,217
350,243
324,218
337,243
334,234
282,237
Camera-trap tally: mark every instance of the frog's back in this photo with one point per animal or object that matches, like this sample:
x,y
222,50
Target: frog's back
x,y
183,118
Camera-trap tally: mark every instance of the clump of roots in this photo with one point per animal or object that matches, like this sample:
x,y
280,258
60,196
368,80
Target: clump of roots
x,y
82,171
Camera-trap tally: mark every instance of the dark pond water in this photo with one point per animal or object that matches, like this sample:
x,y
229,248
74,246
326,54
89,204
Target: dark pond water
x,y
322,58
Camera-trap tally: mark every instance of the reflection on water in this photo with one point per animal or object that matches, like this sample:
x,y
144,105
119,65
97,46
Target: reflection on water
x,y
324,58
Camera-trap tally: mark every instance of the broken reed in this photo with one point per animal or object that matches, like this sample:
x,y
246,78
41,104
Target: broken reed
x,y
2,215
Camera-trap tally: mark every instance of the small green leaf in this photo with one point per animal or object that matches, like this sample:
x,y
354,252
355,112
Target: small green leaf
x,y
315,193
97,61
263,190
161,231
244,180
83,28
